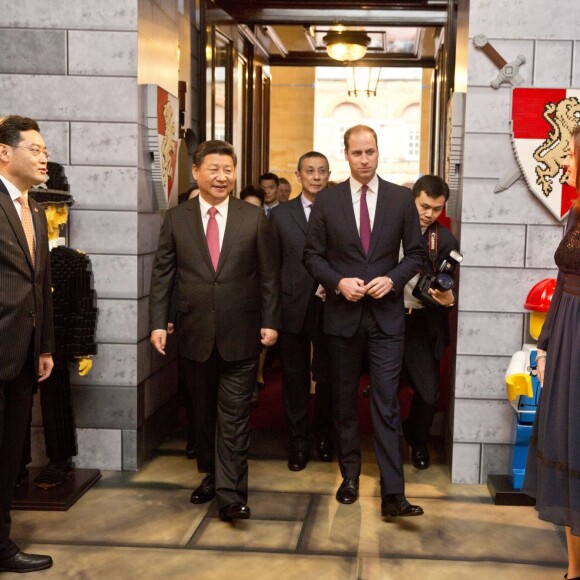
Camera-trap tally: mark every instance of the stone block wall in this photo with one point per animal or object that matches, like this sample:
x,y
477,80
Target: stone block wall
x,y
72,65
508,238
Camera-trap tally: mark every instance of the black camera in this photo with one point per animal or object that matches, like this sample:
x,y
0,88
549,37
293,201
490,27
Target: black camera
x,y
443,279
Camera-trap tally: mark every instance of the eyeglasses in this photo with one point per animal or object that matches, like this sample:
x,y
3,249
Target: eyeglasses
x,y
36,151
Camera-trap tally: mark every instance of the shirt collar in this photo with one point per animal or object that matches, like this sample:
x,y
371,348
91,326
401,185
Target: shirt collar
x,y
14,192
373,185
305,202
222,207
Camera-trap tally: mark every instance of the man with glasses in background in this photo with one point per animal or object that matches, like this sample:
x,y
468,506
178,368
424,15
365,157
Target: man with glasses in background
x,y
25,312
302,319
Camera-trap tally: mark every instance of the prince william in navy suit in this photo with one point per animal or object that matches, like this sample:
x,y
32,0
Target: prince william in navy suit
x,y
352,248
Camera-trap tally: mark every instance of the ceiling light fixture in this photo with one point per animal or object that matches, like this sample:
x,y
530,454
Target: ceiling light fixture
x,y
346,45
362,80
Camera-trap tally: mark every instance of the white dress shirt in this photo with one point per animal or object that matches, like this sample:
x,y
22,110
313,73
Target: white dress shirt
x,y
410,300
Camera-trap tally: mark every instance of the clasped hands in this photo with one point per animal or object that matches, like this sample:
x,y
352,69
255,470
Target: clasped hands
x,y
353,289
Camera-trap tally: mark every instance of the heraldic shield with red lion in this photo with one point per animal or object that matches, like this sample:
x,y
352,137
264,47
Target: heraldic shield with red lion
x,y
542,121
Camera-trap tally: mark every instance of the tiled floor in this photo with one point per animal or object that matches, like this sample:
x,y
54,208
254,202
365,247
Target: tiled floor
x,y
141,525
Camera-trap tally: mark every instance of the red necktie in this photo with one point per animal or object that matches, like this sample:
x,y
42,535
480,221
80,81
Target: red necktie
x,y
212,235
365,220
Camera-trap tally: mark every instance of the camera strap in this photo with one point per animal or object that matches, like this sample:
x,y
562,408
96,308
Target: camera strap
x,y
433,243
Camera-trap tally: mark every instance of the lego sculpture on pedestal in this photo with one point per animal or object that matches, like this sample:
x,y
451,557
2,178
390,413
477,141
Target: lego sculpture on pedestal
x,y
523,386
74,329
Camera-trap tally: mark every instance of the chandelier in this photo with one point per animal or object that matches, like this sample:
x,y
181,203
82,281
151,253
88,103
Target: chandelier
x,y
346,45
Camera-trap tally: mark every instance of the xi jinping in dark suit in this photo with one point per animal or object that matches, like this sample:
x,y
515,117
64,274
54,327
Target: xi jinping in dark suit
x,y
352,248
219,249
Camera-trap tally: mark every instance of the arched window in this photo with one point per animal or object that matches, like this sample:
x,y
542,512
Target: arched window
x,y
412,119
345,115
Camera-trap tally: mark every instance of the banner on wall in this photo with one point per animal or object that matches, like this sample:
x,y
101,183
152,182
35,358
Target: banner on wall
x,y
542,121
163,134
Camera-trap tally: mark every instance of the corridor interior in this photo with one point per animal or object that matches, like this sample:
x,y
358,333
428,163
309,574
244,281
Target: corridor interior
x,y
141,525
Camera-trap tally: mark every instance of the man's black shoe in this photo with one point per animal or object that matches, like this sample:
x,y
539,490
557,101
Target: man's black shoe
x,y
396,505
420,456
22,476
21,562
205,492
234,511
191,450
324,450
297,460
348,490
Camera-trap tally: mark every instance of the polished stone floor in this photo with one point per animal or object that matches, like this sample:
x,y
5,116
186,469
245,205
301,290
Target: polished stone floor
x,y
141,525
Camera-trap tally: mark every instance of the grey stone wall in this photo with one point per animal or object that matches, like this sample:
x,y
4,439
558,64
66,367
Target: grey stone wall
x,y
508,238
72,65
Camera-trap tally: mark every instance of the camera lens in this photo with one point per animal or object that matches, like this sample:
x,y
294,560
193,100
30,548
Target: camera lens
x,y
444,281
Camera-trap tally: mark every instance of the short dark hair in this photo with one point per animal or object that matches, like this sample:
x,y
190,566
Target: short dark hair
x,y
12,125
359,129
270,176
253,191
311,154
284,181
432,185
211,147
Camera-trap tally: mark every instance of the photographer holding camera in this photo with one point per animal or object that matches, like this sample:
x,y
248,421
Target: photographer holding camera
x,y
427,297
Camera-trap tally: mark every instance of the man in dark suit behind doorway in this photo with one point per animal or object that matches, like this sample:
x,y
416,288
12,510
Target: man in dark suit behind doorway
x,y
220,249
25,312
352,248
302,316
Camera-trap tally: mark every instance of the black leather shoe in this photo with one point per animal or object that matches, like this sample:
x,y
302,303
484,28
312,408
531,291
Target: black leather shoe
x,y
348,490
205,492
191,450
21,562
255,399
397,506
420,456
297,460
22,476
324,450
234,511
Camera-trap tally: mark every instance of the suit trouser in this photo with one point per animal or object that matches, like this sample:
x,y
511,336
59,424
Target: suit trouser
x,y
299,353
385,354
57,417
221,391
15,401
295,356
422,369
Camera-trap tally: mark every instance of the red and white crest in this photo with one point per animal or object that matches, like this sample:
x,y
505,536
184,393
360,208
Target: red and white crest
x,y
163,133
542,120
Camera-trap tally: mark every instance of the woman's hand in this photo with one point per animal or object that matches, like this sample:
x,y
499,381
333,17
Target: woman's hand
x,y
541,365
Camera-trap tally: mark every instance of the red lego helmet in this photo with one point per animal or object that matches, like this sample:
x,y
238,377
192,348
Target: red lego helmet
x,y
540,296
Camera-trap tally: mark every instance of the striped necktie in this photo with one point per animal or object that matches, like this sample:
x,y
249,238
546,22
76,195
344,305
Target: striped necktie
x,y
26,219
